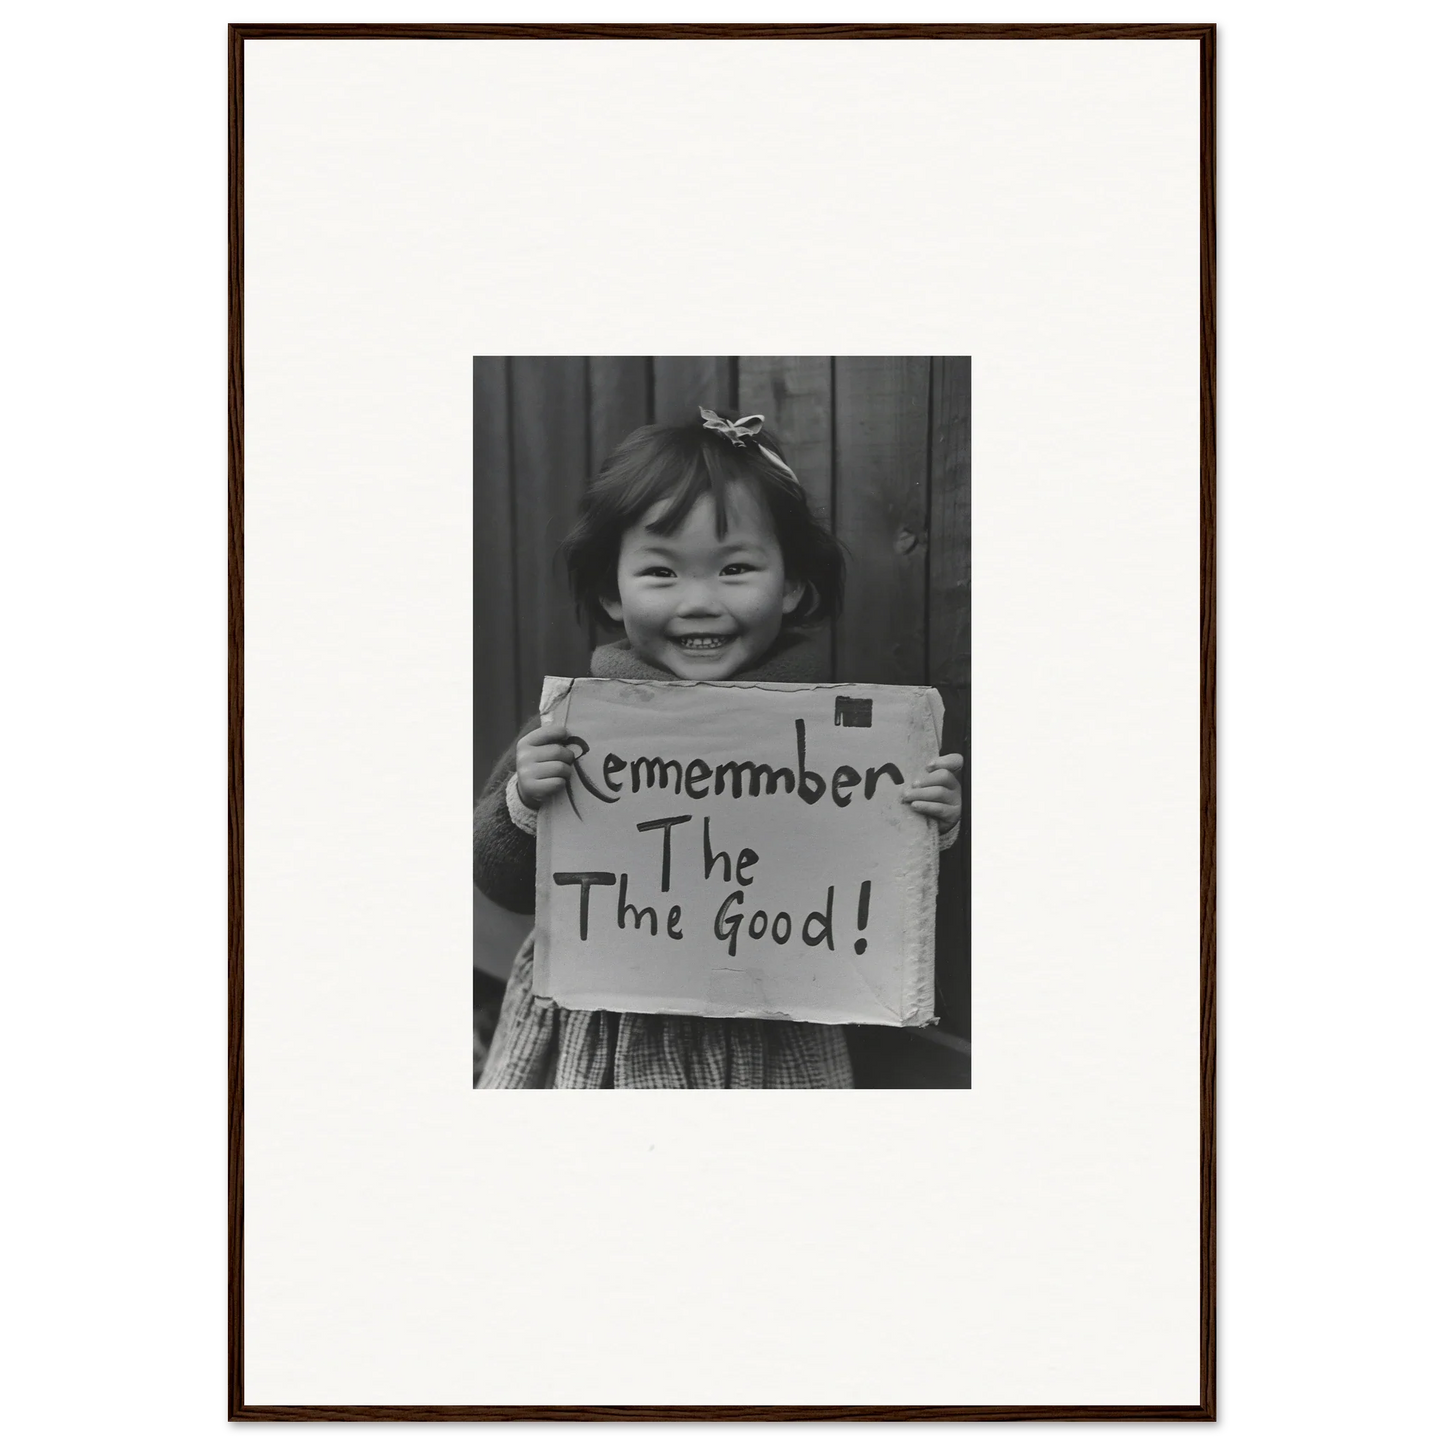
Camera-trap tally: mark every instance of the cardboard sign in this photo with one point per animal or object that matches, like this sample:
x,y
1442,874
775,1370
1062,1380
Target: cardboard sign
x,y
740,850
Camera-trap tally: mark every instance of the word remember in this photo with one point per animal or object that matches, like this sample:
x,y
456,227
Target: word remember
x,y
699,780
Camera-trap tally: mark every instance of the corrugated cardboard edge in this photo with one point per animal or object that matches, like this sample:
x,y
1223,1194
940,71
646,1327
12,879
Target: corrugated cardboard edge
x,y
916,1007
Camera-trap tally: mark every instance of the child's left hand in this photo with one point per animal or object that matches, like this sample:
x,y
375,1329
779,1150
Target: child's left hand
x,y
938,793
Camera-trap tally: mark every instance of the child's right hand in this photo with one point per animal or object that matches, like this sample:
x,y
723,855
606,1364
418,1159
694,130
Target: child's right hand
x,y
544,765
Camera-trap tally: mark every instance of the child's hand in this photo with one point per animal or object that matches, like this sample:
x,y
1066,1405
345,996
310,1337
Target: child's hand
x,y
544,766
938,793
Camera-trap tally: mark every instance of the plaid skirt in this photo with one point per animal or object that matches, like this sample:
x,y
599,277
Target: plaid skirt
x,y
540,1045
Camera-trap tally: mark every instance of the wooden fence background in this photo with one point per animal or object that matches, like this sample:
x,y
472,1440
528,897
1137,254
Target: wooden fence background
x,y
880,442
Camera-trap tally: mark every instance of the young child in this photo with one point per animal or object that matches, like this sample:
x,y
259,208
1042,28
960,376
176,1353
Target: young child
x,y
699,541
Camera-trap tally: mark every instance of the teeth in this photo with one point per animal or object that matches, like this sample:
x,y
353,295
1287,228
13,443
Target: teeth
x,y
703,642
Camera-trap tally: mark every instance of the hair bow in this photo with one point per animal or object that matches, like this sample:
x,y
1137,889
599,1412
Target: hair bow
x,y
737,432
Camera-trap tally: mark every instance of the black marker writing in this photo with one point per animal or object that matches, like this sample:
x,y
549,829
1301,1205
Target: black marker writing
x,y
811,786
624,908
709,857
737,778
865,889
587,881
758,774
726,929
844,781
823,932
871,786
667,825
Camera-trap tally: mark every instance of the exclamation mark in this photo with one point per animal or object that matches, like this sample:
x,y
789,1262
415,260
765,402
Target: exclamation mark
x,y
860,945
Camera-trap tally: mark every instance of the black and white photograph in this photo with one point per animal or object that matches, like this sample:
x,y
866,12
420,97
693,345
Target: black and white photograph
x,y
731,594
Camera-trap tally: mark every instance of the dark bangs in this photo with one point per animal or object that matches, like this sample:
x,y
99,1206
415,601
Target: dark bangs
x,y
679,465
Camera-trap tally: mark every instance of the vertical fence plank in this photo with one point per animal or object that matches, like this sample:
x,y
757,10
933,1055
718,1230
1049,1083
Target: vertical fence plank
x,y
949,660
880,515
617,389
494,620
950,529
549,462
795,396
681,384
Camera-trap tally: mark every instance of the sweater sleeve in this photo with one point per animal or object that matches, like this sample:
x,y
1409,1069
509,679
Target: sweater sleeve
x,y
504,857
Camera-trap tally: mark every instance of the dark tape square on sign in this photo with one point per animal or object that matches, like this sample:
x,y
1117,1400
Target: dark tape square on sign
x,y
853,712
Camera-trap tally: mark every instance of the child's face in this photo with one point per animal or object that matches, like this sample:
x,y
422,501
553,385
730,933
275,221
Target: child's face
x,y
702,606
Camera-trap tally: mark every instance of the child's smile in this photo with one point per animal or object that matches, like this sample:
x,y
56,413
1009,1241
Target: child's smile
x,y
703,642
698,605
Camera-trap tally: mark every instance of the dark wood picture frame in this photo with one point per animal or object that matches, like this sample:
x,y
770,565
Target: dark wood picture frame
x,y
1205,34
